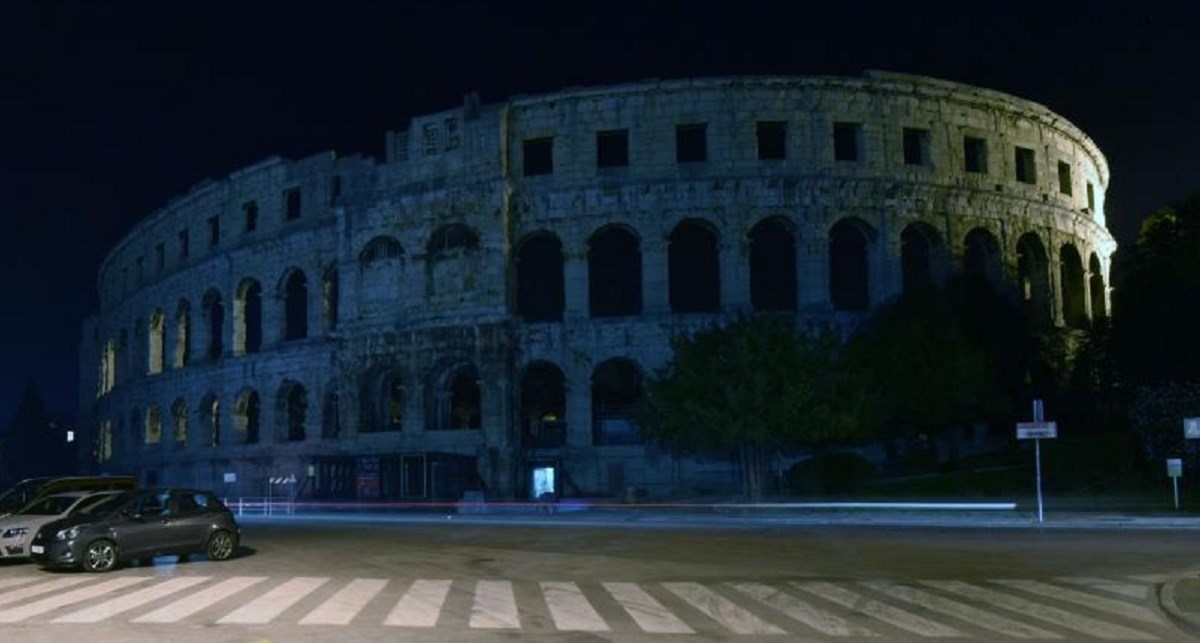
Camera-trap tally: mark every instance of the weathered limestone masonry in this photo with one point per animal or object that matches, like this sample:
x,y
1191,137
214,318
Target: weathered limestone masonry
x,y
478,311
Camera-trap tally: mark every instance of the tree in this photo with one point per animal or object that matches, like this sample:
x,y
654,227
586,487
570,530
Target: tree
x,y
924,365
32,447
1157,301
753,386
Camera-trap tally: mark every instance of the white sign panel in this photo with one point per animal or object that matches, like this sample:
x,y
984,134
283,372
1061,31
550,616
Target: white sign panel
x,y
1036,430
230,477
1191,427
1174,467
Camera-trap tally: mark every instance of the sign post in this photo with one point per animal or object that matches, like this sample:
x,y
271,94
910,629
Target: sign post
x,y
1035,431
1174,470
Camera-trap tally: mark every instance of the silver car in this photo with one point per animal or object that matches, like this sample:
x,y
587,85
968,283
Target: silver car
x,y
17,529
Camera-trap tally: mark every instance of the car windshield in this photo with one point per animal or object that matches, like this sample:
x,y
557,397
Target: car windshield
x,y
20,495
51,506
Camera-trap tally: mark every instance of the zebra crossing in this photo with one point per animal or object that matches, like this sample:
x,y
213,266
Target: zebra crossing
x,y
1030,609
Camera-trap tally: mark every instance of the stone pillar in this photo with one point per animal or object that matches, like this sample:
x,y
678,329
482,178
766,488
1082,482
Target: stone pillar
x,y
733,262
575,285
812,264
656,294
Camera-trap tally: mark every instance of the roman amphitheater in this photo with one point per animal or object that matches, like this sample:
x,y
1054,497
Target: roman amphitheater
x,y
478,310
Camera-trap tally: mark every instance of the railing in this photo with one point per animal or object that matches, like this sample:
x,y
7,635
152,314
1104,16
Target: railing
x,y
261,505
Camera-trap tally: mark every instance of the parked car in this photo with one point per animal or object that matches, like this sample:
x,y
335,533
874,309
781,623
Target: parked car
x,y
31,490
138,524
18,528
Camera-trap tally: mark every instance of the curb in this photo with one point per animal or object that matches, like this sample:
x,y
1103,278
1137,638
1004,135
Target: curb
x,y
1186,620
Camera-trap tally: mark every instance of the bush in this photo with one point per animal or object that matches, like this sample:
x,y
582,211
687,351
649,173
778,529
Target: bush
x,y
835,473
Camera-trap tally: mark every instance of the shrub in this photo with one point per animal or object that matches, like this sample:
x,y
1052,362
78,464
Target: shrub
x,y
834,473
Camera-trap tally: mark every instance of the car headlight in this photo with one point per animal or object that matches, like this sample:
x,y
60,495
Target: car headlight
x,y
15,531
70,533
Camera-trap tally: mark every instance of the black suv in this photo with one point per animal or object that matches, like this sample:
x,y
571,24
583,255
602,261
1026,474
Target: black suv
x,y
141,523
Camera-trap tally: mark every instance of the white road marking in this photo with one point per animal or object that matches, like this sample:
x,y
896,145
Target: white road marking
x,y
721,609
1152,579
801,610
495,606
13,582
97,613
206,597
62,600
42,588
265,608
1104,604
420,605
570,609
1079,623
972,615
886,613
342,607
1141,592
649,614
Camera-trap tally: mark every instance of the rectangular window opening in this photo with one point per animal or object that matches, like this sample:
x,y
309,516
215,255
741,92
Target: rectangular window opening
x,y
335,190
214,231
916,147
612,148
975,155
1026,170
1064,177
429,138
184,244
291,204
538,156
451,126
1091,197
691,143
847,139
772,140
251,210
160,258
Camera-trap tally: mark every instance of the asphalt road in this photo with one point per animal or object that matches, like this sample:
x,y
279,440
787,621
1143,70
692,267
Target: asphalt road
x,y
449,579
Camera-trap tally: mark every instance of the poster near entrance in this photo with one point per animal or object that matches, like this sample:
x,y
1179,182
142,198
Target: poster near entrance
x,y
367,477
543,481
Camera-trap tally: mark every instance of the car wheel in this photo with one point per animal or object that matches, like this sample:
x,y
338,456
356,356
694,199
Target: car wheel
x,y
220,545
100,556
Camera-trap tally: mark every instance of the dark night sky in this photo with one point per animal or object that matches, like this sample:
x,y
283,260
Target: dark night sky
x,y
111,109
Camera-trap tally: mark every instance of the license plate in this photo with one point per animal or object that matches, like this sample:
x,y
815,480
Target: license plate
x,y
37,549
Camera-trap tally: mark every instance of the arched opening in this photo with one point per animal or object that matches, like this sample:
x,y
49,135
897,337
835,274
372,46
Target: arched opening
x,y
1033,280
247,318
849,288
919,250
1098,290
981,257
295,306
293,407
773,266
1074,287
540,296
331,415
157,342
380,266
458,404
210,416
329,299
614,273
214,316
183,322
179,413
543,406
454,237
693,268
153,425
617,391
247,416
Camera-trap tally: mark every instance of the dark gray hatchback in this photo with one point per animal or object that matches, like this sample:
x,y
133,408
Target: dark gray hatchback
x,y
138,524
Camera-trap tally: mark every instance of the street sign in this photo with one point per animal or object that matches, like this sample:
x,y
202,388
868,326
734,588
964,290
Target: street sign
x,y
1191,428
1036,430
1174,467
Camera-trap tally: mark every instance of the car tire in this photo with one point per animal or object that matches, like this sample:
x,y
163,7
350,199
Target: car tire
x,y
221,545
100,556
